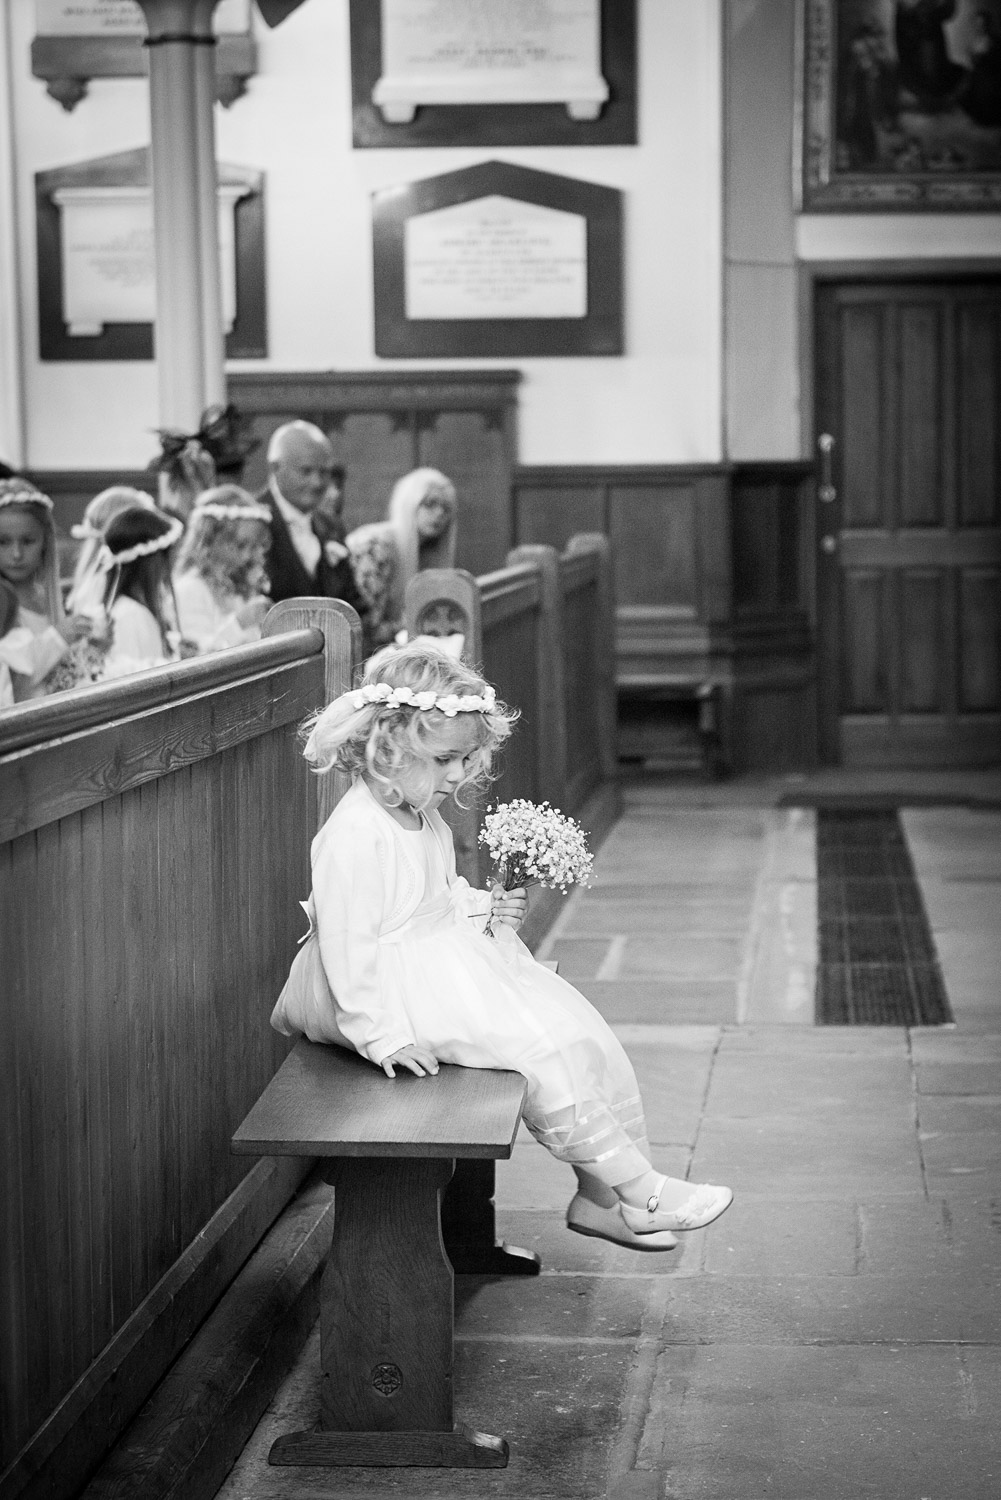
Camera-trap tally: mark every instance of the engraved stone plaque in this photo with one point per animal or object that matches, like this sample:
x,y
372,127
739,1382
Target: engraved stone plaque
x,y
107,266
109,18
496,257
490,52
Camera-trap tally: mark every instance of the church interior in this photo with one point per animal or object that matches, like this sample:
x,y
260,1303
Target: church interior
x,y
707,339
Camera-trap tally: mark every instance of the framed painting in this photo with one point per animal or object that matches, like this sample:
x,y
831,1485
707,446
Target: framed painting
x,y
901,105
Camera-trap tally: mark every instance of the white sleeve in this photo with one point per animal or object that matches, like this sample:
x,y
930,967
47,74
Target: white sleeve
x,y
32,656
349,893
201,620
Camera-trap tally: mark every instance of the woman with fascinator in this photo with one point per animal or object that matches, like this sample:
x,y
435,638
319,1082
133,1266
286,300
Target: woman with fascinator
x,y
220,580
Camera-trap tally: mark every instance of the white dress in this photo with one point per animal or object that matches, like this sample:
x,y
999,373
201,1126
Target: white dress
x,y
396,954
205,621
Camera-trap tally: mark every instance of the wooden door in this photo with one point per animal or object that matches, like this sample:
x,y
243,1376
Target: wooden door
x,y
909,506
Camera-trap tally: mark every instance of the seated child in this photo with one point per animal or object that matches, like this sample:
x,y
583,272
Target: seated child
x,y
220,580
137,591
29,565
397,964
86,595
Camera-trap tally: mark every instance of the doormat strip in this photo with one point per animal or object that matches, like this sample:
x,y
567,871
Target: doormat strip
x,y
877,964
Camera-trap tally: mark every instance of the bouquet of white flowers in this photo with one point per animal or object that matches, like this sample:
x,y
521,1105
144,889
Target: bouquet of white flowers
x,y
535,845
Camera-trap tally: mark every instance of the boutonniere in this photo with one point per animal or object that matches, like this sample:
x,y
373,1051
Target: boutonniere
x,y
334,552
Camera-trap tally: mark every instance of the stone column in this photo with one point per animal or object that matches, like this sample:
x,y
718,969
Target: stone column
x,y
188,330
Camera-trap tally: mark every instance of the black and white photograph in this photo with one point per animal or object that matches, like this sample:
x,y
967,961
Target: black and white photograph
x,y
500,749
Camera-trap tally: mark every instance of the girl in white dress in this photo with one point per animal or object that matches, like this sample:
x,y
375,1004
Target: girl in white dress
x,y
397,965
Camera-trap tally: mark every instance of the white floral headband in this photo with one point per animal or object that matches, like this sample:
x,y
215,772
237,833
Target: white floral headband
x,y
449,704
222,512
83,531
12,493
106,559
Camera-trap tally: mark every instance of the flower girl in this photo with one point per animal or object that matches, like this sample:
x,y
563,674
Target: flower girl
x,y
397,964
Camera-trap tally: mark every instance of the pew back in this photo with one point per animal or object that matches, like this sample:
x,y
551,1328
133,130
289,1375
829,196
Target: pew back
x,y
154,844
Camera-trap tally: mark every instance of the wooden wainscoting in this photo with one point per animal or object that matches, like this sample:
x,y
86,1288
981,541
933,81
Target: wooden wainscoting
x,y
384,423
712,564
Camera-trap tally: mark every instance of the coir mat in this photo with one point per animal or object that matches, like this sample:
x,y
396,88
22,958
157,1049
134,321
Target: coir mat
x,y
877,964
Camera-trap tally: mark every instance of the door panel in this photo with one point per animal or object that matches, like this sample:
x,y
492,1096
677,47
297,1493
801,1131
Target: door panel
x,y
909,566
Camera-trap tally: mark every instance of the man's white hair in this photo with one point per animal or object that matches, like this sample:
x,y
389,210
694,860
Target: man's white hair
x,y
300,429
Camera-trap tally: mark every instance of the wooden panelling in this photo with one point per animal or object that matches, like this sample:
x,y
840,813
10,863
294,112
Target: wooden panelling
x,y
919,436
978,401
551,514
654,544
711,569
384,423
864,611
924,641
861,435
980,636
150,916
582,621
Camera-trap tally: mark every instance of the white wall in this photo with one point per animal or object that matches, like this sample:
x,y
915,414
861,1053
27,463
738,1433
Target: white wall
x,y
661,402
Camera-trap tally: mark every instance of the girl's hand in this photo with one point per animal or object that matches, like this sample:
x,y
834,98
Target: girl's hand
x,y
508,907
418,1059
75,627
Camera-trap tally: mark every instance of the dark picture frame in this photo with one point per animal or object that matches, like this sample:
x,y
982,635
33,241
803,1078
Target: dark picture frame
x,y
901,106
497,124
598,333
247,339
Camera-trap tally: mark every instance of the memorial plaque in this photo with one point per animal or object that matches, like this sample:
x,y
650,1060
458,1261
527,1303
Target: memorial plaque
x,y
109,274
96,278
496,258
109,18
506,52
493,72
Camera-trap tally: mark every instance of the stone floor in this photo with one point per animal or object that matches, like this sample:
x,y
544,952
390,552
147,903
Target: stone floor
x,y
838,1333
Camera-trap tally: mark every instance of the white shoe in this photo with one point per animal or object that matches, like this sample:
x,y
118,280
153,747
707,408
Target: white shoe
x,y
585,1217
704,1204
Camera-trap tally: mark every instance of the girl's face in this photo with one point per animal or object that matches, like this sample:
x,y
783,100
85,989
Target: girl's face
x,y
243,547
433,516
22,544
449,746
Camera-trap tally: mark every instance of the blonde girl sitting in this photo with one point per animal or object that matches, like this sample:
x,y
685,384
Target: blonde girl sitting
x,y
397,964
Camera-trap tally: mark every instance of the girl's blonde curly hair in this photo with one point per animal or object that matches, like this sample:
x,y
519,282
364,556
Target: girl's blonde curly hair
x,y
390,744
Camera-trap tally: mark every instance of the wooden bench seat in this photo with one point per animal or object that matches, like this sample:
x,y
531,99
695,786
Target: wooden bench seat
x,y
386,1318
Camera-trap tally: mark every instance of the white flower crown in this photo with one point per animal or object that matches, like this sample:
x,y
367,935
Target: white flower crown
x,y
232,512
83,531
449,704
25,494
106,559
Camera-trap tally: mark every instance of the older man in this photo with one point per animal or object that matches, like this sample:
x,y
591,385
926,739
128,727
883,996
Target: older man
x,y
308,555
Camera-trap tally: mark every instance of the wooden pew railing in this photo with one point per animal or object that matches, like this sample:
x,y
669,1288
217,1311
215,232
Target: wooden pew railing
x,y
154,847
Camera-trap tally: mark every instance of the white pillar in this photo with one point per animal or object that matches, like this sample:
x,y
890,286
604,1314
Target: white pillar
x,y
184,208
12,427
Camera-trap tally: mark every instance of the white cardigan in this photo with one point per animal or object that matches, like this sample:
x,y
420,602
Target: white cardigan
x,y
367,882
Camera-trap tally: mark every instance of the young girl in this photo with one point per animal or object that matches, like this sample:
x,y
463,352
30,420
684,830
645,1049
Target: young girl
x,y
220,579
29,564
398,967
422,513
137,591
86,593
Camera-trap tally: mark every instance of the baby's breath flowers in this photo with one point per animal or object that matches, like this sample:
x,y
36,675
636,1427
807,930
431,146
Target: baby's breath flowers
x,y
536,845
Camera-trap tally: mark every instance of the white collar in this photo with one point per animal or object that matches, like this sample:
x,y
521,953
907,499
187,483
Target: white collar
x,y
302,520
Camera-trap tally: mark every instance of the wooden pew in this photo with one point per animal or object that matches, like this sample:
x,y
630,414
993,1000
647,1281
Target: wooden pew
x,y
389,1147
